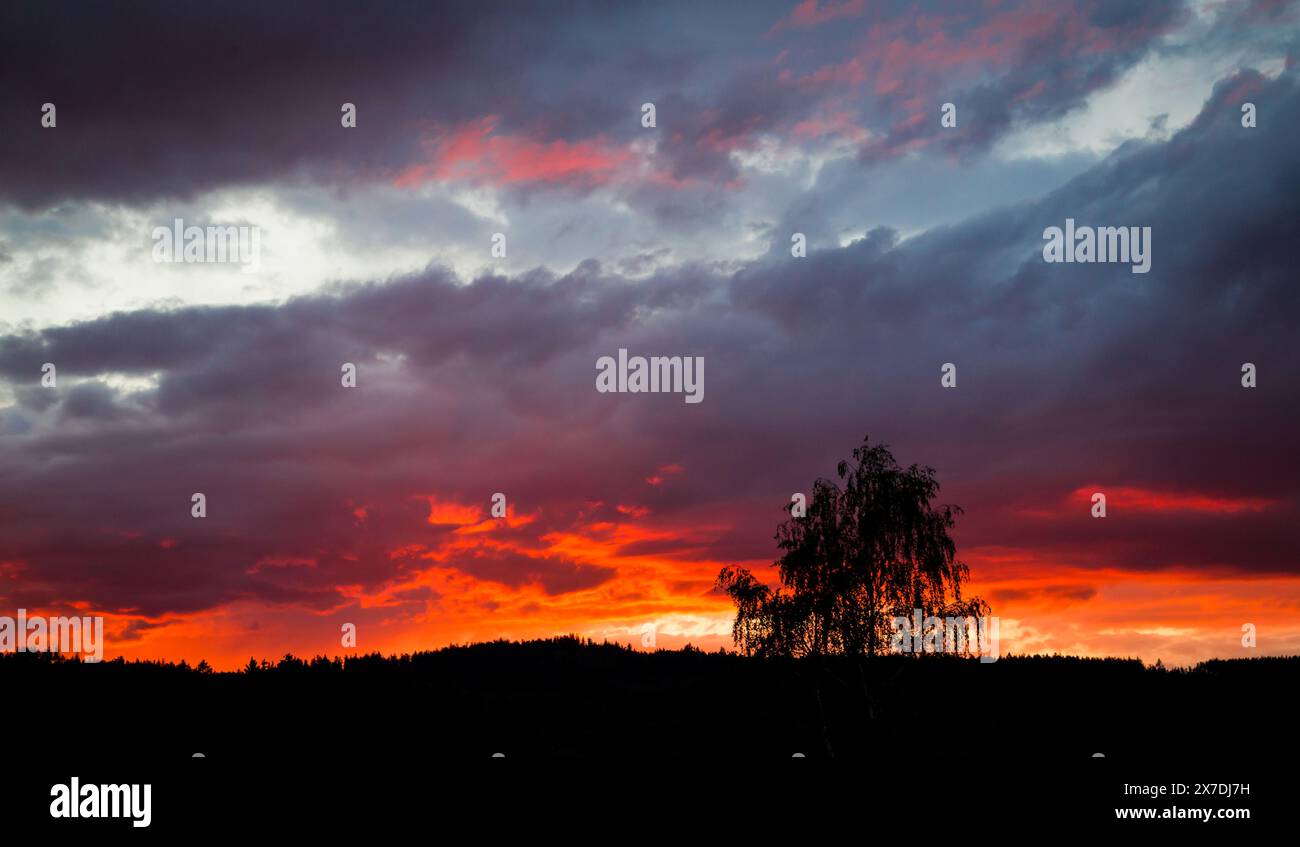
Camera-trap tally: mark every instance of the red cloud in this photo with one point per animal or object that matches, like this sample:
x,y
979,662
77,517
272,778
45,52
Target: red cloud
x,y
1172,501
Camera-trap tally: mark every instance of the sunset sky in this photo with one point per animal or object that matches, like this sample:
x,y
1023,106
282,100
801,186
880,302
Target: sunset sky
x,y
476,374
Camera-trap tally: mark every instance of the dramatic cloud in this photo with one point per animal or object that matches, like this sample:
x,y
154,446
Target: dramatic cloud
x,y
328,504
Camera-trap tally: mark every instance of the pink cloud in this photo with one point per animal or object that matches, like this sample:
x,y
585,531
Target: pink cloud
x,y
810,14
476,152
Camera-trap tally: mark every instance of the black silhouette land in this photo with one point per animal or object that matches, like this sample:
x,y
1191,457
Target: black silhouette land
x,y
566,697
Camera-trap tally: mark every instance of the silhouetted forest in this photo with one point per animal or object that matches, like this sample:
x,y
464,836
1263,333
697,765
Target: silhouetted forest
x,y
566,697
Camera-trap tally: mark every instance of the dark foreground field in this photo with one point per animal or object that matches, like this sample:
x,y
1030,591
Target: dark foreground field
x,y
568,698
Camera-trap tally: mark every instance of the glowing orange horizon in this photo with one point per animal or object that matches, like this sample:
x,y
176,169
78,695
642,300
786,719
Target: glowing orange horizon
x,y
1178,615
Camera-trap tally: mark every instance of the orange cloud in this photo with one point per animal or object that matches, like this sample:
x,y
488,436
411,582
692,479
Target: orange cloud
x,y
447,513
1180,617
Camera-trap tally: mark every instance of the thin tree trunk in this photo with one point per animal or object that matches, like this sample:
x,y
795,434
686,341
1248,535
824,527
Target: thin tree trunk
x,y
826,733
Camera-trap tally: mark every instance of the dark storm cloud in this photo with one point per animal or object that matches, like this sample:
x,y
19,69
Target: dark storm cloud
x,y
513,569
165,101
1070,377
